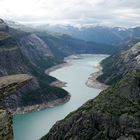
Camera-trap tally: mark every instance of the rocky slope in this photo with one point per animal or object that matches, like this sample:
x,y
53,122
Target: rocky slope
x,y
113,115
118,65
24,52
28,51
3,26
65,43
68,45
6,132
8,86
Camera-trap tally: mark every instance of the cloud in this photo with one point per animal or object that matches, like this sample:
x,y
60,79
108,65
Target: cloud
x,y
103,12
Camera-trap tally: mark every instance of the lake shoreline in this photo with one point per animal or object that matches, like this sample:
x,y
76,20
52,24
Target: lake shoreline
x,y
39,107
57,83
67,62
75,74
92,81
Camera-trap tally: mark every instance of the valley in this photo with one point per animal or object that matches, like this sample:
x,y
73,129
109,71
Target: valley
x,y
68,83
75,75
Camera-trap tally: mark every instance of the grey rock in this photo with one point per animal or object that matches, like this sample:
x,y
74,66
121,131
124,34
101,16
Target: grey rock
x,y
113,115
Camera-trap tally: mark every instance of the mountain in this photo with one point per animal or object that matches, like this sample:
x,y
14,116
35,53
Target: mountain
x,y
68,45
113,114
72,37
120,64
33,51
99,34
25,53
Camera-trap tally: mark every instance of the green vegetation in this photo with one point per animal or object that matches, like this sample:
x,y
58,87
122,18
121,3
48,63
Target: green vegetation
x,y
112,114
118,65
109,69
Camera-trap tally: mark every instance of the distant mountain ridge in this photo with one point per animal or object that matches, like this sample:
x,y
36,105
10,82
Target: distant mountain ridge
x,y
110,39
98,34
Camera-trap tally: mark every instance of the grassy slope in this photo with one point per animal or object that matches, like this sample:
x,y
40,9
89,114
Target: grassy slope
x,y
112,114
111,65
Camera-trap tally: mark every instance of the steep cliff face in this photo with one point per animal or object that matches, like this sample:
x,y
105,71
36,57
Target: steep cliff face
x,y
69,45
3,26
20,53
34,48
8,86
118,65
6,132
12,62
113,115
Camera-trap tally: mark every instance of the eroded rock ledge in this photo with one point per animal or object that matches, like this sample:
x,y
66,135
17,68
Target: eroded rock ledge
x,y
8,85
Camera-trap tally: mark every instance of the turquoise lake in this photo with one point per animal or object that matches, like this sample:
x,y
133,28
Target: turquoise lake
x,y
32,126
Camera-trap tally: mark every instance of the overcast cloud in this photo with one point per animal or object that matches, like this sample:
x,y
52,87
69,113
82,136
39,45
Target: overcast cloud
x,y
75,12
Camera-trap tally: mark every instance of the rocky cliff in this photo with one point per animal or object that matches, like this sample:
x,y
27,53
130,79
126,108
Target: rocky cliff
x,y
3,26
8,86
6,132
24,52
113,115
120,64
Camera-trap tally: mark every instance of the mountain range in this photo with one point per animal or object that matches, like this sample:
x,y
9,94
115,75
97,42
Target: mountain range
x,y
99,34
25,54
25,50
114,113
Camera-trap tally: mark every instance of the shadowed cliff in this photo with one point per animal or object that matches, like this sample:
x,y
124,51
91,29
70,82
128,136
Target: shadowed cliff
x,y
8,86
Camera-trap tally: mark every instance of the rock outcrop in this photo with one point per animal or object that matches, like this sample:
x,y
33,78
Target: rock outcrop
x,y
26,53
3,25
120,64
113,115
6,132
8,86
34,48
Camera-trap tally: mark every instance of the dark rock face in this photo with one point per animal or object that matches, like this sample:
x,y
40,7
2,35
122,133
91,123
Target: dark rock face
x,y
26,53
34,48
3,26
113,115
6,132
118,65
12,62
8,86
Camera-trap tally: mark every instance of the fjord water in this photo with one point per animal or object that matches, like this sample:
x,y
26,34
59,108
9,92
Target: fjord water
x,y
32,126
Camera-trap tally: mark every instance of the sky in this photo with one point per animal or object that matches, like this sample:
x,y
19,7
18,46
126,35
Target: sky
x,y
125,13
